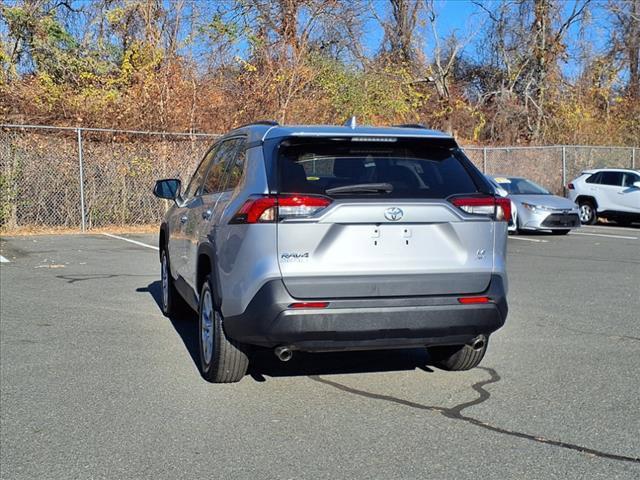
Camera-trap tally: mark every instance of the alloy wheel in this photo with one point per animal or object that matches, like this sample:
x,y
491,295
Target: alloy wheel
x,y
207,314
586,213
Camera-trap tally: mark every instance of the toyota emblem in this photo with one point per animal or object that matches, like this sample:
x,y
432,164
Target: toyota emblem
x,y
393,214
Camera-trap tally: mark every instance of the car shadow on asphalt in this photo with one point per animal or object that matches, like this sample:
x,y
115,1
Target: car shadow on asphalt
x,y
185,324
265,364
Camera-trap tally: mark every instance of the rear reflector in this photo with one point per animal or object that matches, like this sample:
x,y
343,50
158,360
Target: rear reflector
x,y
498,208
571,186
473,300
309,305
271,208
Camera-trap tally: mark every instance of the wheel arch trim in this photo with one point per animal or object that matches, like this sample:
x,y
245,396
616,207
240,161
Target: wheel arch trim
x,y
206,252
587,197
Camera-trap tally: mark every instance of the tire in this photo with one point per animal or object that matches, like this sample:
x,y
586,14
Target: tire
x,y
222,360
514,219
560,232
588,214
457,358
519,230
171,302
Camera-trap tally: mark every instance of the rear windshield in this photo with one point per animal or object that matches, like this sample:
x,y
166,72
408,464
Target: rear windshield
x,y
403,168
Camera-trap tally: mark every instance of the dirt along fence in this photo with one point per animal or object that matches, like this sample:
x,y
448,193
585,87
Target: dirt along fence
x,y
83,179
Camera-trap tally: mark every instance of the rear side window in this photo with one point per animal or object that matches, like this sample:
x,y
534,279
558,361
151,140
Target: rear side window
x,y
235,165
409,168
595,178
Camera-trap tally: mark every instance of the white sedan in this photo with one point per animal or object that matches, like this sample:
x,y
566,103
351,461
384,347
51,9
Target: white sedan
x,y
535,208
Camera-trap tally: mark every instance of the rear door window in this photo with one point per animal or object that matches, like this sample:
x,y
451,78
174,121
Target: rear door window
x,y
216,177
611,178
410,168
630,179
198,176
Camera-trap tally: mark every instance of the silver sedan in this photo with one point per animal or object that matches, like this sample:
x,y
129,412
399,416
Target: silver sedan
x,y
535,208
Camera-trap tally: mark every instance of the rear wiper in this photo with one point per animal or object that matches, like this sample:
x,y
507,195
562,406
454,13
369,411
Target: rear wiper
x,y
362,187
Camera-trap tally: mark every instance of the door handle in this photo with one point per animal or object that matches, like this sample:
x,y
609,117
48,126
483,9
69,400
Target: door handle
x,y
183,219
206,215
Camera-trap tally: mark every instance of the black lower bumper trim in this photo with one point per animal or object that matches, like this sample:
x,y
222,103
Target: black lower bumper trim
x,y
366,323
560,220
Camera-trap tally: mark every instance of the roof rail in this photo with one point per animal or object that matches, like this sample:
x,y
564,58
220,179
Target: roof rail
x,y
269,123
410,125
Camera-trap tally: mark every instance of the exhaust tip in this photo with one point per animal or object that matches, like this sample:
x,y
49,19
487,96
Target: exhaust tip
x,y
283,353
478,343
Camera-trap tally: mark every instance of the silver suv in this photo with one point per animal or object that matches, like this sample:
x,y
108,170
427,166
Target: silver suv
x,y
327,238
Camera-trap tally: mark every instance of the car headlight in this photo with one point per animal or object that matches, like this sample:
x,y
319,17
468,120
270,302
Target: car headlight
x,y
536,208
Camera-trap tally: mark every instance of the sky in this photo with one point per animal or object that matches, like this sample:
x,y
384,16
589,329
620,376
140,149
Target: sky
x,y
453,15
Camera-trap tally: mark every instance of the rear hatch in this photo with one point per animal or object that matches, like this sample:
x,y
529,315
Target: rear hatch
x,y
381,217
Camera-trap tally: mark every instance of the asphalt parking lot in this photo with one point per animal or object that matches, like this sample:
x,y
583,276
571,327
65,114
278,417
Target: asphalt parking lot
x,y
96,383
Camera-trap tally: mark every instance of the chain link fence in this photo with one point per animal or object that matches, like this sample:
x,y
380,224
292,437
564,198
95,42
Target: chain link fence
x,y
89,178
553,166
95,178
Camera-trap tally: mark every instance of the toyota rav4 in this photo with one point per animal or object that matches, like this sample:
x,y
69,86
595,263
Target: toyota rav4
x,y
327,238
608,193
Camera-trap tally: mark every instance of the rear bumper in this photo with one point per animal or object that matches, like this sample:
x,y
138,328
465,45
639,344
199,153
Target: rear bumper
x,y
372,323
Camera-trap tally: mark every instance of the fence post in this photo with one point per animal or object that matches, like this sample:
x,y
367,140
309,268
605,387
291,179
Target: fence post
x,y
484,160
84,224
633,158
564,170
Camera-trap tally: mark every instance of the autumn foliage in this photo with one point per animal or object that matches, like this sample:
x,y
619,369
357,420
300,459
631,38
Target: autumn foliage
x,y
534,71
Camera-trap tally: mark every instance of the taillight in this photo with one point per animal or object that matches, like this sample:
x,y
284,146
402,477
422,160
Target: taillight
x,y
300,206
571,186
271,208
256,210
498,208
503,209
473,300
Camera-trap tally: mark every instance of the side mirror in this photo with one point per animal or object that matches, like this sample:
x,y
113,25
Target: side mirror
x,y
636,184
169,189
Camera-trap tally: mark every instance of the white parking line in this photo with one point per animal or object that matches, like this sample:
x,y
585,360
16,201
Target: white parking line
x,y
610,229
3,260
528,239
624,237
131,241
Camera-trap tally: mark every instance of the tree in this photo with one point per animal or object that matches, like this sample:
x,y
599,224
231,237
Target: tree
x,y
626,21
529,43
399,31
